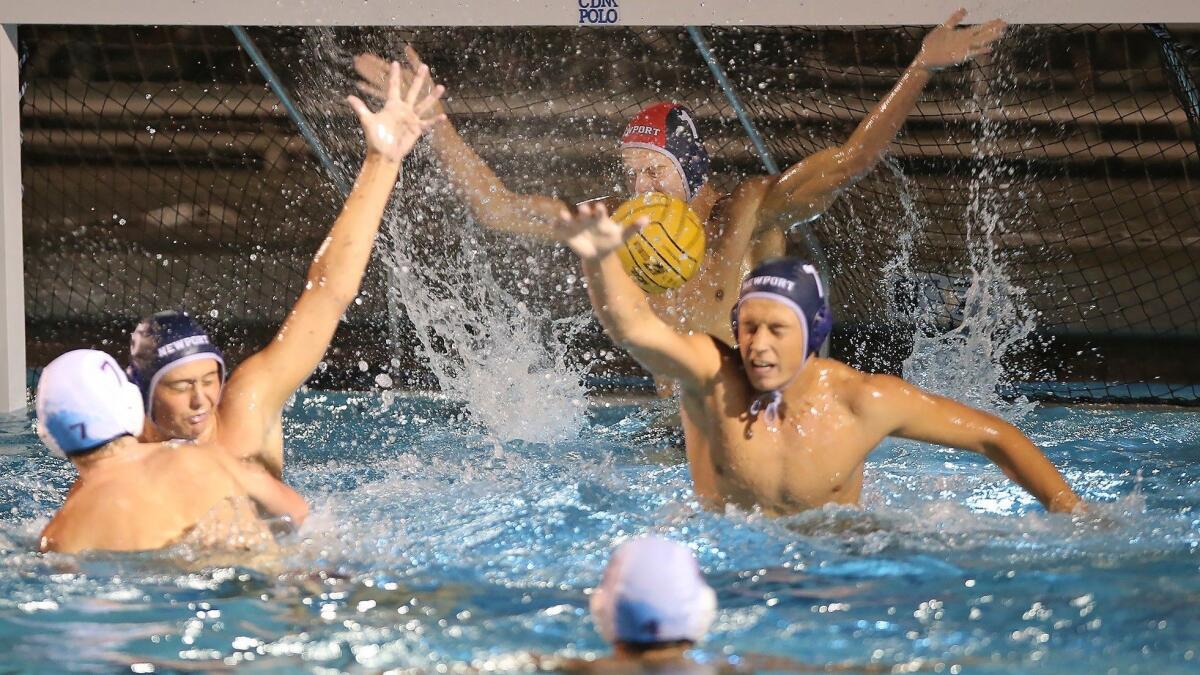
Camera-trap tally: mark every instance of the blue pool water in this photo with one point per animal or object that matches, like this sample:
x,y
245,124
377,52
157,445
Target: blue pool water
x,y
435,548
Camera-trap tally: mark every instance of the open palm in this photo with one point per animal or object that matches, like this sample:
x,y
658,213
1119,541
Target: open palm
x,y
591,233
395,128
949,45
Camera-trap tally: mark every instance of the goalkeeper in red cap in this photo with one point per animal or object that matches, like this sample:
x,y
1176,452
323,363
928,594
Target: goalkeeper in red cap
x,y
662,151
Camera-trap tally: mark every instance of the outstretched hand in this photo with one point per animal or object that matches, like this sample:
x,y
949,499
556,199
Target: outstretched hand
x,y
948,45
591,233
374,73
393,130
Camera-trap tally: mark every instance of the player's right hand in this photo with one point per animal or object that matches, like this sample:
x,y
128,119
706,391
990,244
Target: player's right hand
x,y
591,233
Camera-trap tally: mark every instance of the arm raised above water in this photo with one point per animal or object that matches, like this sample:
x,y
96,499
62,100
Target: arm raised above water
x,y
491,202
806,189
256,392
622,307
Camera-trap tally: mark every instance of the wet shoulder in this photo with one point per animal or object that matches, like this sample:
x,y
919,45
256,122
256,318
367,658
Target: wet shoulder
x,y
89,516
844,380
859,390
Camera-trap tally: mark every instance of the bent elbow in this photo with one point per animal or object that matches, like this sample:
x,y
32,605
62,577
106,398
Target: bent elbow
x,y
858,162
625,328
494,207
620,336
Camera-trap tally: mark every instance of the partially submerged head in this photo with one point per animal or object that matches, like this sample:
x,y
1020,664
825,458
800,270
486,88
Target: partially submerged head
x,y
180,373
653,596
85,402
662,152
782,317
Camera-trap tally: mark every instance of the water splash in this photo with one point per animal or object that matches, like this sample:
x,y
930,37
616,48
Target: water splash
x,y
899,278
504,358
968,362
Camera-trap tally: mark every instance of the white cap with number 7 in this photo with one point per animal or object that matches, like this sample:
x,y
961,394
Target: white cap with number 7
x,y
84,400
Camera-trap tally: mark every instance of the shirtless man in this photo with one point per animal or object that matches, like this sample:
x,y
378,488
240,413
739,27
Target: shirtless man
x,y
182,373
767,423
662,152
134,496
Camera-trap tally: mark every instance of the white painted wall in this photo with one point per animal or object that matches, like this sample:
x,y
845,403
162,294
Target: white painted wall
x,y
567,12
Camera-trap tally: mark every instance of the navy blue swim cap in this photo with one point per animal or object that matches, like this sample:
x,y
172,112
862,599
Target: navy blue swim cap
x,y
163,342
797,284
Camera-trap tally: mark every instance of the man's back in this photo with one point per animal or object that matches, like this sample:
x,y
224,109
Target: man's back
x,y
153,495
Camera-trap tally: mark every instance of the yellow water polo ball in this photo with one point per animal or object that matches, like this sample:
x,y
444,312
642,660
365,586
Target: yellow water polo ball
x,y
669,250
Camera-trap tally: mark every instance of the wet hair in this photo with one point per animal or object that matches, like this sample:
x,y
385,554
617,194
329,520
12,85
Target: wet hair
x,y
639,648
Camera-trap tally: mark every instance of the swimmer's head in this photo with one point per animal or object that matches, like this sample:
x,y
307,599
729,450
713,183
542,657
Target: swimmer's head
x,y
662,152
180,372
781,317
84,402
652,593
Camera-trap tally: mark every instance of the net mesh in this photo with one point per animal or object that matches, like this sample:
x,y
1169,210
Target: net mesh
x,y
160,171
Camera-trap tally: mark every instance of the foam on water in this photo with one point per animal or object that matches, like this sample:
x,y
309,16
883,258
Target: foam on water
x,y
428,545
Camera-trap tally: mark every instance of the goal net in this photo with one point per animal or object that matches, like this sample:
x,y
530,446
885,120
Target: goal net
x,y
1037,210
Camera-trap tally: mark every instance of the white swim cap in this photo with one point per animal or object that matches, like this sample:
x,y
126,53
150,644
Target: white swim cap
x,y
653,591
84,400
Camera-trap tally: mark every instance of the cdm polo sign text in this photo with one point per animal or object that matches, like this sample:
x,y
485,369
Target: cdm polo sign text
x,y
593,12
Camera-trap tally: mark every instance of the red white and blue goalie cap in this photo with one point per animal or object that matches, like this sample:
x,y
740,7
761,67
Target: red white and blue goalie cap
x,y
670,129
84,401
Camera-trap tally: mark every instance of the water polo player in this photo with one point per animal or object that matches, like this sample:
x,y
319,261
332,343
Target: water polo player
x,y
181,371
652,605
768,423
134,496
662,151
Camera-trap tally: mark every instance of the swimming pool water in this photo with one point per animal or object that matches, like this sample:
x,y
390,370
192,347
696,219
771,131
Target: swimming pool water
x,y
432,547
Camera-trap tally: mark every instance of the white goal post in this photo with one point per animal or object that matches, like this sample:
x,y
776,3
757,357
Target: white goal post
x,y
574,12
460,13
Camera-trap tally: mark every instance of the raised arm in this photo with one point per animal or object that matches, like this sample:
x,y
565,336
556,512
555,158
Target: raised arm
x,y
622,307
257,391
901,409
808,188
492,203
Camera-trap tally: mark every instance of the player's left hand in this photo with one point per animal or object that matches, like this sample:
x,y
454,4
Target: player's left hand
x,y
949,45
393,130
